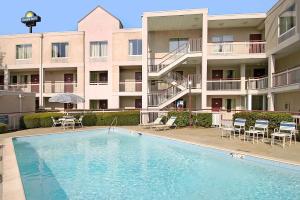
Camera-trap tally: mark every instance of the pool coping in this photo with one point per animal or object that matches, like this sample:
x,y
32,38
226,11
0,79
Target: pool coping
x,y
13,186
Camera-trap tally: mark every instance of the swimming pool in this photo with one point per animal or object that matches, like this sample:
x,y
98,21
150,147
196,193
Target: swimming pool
x,y
123,165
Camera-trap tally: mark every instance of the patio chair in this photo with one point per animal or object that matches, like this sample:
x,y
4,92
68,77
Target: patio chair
x,y
69,123
238,127
169,124
79,121
55,122
286,130
261,128
157,121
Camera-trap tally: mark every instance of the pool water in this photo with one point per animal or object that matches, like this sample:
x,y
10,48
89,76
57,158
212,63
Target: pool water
x,y
123,165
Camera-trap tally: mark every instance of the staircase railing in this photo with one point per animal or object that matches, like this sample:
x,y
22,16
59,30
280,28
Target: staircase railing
x,y
193,45
158,98
175,77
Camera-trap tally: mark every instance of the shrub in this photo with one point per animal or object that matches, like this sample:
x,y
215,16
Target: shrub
x,y
273,117
203,119
182,119
38,120
89,120
3,128
127,118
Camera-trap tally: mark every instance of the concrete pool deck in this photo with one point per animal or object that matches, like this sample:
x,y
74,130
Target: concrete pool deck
x,y
12,185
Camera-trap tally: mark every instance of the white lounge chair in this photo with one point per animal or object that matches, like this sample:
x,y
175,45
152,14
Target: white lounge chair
x,y
261,128
238,126
69,123
157,121
170,123
79,121
55,122
286,130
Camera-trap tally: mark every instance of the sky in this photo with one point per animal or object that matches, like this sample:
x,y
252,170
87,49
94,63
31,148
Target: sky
x,y
63,15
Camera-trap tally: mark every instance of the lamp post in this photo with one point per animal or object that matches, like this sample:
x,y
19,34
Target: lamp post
x,y
190,100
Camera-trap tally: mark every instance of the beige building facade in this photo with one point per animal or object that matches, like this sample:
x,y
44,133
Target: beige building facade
x,y
177,59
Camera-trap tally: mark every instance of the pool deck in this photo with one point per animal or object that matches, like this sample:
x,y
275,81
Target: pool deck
x,y
12,185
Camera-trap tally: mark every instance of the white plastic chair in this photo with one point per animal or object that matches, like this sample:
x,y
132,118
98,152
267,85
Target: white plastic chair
x,y
238,126
286,130
261,128
55,122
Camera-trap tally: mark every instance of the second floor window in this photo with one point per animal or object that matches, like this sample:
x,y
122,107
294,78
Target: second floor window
x,y
135,47
287,20
98,49
176,43
60,50
98,77
24,51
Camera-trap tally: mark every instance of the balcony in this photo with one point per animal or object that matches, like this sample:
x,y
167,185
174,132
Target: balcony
x,y
224,85
236,48
130,86
26,87
257,83
287,78
60,87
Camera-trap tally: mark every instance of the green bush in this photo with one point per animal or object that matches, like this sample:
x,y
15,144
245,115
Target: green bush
x,y
89,120
3,128
38,120
273,117
182,119
203,119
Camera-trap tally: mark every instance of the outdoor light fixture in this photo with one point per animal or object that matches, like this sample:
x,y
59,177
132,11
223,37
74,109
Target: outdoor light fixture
x,y
30,19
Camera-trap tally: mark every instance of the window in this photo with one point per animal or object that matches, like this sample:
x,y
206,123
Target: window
x,y
135,47
24,51
287,20
221,46
98,104
23,79
222,38
60,50
175,43
13,79
98,77
98,49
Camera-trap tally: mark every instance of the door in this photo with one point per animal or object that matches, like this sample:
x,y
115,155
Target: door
x,y
35,80
259,73
217,74
68,83
216,104
1,82
255,47
138,81
138,103
103,104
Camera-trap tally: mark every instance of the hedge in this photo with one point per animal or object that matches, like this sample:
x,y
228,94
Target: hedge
x,y
38,120
273,117
182,119
203,119
3,128
126,118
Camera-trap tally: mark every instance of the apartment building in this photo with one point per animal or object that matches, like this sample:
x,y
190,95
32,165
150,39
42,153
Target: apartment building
x,y
178,59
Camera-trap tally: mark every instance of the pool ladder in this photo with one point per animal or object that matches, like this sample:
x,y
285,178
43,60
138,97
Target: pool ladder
x,y
113,124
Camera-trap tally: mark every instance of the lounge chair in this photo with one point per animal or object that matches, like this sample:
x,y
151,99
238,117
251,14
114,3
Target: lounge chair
x,y
170,123
260,128
69,123
157,121
79,121
55,122
286,130
238,127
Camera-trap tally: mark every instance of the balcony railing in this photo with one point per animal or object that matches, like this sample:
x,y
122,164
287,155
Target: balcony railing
x,y
1,87
195,80
288,77
221,85
130,86
192,46
257,83
24,87
60,87
236,48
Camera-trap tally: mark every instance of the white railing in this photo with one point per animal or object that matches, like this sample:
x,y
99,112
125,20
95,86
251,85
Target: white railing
x,y
288,77
130,86
159,97
236,48
195,81
257,83
220,85
28,87
60,87
157,64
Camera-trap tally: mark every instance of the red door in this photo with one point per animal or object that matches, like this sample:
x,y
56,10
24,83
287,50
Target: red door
x,y
138,103
68,82
35,80
256,47
138,81
1,82
216,104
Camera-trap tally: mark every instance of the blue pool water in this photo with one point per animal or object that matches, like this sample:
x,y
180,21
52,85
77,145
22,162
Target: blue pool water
x,y
122,165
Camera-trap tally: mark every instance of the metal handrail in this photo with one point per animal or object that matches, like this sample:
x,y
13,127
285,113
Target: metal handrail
x,y
115,120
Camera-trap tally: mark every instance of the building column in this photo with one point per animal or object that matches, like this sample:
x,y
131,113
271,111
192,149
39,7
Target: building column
x,y
249,102
271,70
264,103
243,77
41,87
6,77
204,62
145,62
